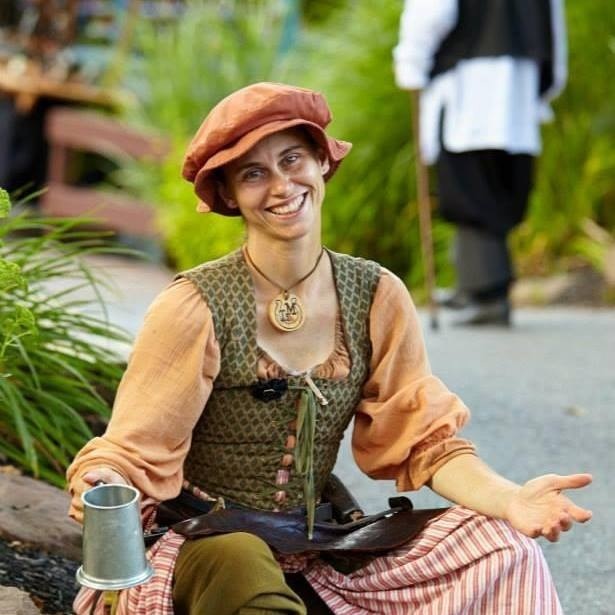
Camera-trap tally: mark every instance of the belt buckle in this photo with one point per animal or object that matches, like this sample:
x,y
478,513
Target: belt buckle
x,y
219,505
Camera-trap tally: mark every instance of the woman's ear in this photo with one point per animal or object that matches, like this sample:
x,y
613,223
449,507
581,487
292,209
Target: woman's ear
x,y
224,194
325,165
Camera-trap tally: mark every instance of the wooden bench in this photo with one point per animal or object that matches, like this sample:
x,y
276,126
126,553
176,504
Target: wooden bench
x,y
68,130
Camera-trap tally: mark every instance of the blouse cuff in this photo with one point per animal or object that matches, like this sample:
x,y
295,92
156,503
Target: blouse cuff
x,y
424,463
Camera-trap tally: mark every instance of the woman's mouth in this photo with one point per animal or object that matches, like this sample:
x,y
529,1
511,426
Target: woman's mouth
x,y
290,207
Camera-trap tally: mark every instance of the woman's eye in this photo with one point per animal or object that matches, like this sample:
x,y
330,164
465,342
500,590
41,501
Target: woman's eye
x,y
292,158
252,175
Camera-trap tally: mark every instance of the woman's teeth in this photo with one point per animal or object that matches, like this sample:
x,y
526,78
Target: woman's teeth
x,y
290,208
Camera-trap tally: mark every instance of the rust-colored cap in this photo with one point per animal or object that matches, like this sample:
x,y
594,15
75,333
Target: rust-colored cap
x,y
242,119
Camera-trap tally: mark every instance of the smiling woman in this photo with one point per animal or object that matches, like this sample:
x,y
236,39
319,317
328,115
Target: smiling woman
x,y
242,382
278,185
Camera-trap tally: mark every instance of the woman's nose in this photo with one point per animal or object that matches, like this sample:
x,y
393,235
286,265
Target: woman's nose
x,y
280,182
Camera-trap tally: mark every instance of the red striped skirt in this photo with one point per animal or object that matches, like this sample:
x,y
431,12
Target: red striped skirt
x,y
461,563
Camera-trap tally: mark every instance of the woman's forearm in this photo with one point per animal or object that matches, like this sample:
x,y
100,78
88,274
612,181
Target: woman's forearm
x,y
469,481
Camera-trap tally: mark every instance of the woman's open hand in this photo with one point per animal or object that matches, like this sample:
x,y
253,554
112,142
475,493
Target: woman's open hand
x,y
539,508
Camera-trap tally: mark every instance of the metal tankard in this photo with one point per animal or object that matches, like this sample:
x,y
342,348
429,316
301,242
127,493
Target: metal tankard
x,y
113,548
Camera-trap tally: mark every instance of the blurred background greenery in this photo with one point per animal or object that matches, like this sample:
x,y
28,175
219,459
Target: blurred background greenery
x,y
343,49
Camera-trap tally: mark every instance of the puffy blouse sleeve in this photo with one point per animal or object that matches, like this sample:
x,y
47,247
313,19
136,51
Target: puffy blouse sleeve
x,y
169,377
407,421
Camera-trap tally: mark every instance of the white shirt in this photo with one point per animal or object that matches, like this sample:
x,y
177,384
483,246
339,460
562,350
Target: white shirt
x,y
488,103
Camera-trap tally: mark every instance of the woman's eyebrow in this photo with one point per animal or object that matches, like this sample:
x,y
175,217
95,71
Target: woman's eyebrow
x,y
245,165
253,163
290,149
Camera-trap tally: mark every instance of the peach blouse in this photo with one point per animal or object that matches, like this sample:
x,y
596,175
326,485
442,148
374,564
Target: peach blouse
x,y
404,429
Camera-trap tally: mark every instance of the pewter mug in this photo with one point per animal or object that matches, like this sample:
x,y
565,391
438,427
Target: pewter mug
x,y
113,547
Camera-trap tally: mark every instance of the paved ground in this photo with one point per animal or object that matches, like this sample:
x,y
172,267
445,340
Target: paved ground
x,y
543,400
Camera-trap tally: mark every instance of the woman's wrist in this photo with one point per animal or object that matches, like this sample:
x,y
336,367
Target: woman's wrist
x,y
468,481
508,494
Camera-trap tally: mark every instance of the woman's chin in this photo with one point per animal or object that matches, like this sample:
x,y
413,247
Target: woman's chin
x,y
297,225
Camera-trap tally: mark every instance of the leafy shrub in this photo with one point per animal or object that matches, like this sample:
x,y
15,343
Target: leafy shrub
x,y
55,358
368,209
371,205
185,69
576,172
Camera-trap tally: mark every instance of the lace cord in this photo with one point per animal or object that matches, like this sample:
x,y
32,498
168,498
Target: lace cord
x,y
310,397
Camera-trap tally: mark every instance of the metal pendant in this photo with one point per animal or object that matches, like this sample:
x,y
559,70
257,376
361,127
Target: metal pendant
x,y
286,312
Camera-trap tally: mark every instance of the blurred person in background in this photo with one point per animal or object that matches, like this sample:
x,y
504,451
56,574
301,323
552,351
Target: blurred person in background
x,y
33,36
487,70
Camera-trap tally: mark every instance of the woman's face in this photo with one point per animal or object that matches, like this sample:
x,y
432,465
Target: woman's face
x,y
278,185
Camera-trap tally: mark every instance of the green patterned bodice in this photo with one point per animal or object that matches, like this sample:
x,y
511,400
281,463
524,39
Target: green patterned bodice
x,y
239,442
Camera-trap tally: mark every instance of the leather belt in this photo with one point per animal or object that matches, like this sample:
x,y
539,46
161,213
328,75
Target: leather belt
x,y
187,506
286,532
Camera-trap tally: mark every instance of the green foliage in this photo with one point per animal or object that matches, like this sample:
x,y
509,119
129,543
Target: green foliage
x,y
370,209
55,358
190,238
317,11
371,206
185,69
17,320
188,65
5,203
576,172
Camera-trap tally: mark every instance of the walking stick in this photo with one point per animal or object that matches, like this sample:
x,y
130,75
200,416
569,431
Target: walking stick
x,y
424,207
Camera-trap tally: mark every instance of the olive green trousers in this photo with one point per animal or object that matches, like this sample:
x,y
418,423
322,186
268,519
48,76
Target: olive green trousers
x,y
231,574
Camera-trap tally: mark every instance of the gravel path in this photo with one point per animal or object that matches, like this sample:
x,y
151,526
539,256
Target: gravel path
x,y
49,579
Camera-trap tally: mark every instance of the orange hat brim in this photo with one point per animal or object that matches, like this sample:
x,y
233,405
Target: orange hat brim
x,y
205,182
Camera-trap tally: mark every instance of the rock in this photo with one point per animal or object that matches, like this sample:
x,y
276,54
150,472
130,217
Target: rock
x,y
13,601
609,266
539,291
585,286
575,410
48,579
35,513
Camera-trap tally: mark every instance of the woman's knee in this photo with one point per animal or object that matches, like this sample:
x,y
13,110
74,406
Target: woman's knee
x,y
525,549
520,548
222,574
232,555
241,545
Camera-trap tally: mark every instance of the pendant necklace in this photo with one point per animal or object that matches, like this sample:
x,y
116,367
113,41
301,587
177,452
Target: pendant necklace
x,y
286,312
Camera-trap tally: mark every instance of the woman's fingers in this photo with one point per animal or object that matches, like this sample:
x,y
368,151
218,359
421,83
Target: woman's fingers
x,y
565,522
551,534
578,514
89,479
572,481
104,475
552,530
